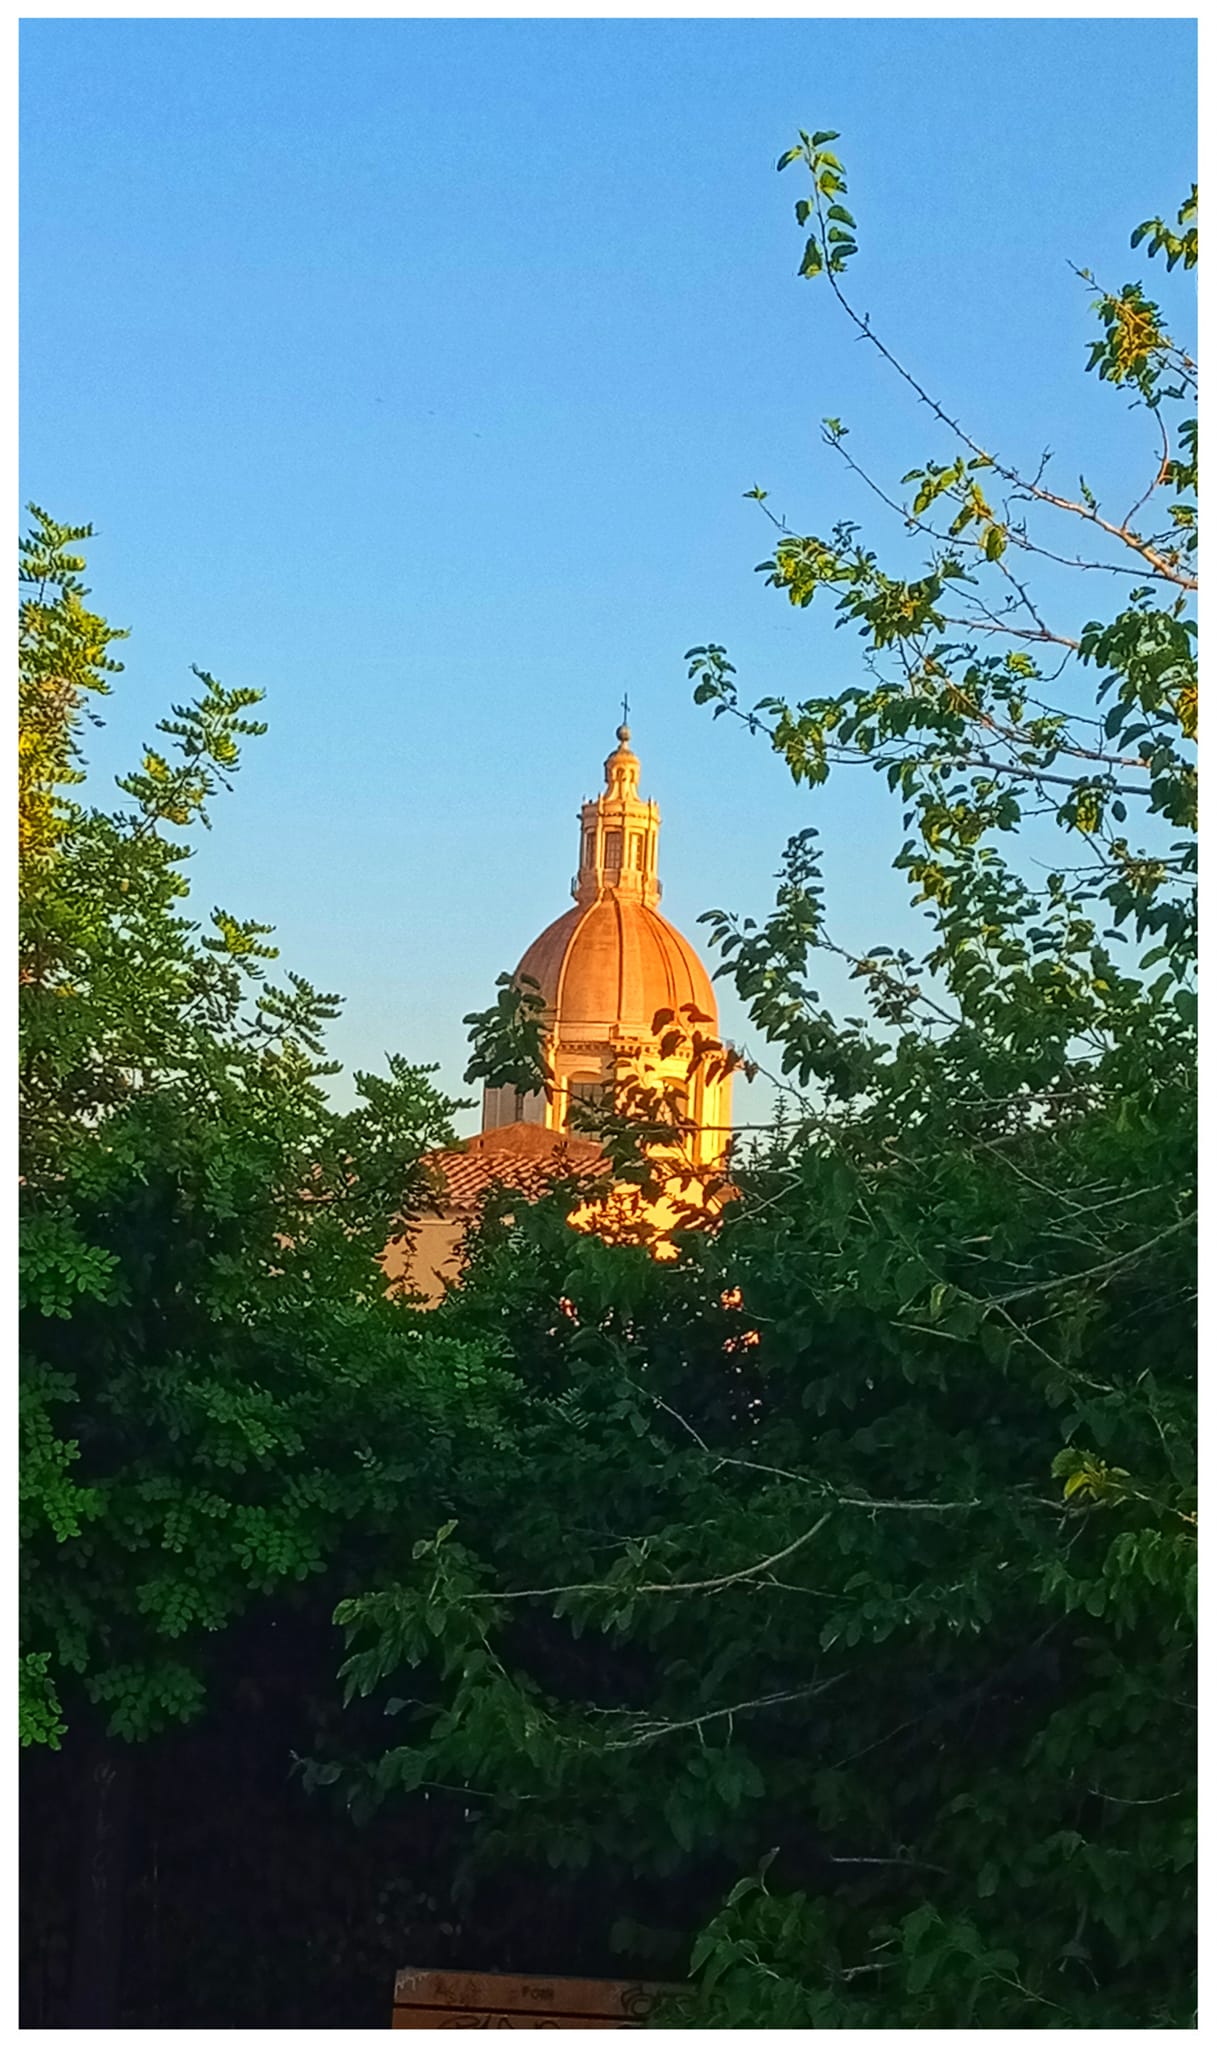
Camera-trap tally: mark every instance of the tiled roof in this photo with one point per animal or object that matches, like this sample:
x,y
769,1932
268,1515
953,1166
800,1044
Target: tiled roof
x,y
522,1157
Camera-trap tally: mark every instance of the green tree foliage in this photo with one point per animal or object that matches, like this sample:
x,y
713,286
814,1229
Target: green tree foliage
x,y
218,1404
64,657
854,1549
506,1040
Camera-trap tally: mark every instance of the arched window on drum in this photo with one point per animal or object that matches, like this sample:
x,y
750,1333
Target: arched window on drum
x,y
584,1092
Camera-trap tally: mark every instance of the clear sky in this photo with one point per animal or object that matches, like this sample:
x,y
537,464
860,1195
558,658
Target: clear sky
x,y
413,372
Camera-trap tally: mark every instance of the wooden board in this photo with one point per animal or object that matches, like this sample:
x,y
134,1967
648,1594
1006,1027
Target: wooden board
x,y
464,1998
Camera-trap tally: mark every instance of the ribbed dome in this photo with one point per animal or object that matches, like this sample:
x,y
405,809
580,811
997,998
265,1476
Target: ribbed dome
x,y
613,964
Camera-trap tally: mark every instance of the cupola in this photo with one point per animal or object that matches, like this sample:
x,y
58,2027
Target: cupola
x,y
619,843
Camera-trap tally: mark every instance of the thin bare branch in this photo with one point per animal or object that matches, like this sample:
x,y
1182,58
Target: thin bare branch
x,y
656,1731
1099,1272
659,1586
1159,564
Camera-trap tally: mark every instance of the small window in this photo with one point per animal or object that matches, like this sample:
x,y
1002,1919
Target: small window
x,y
586,1093
589,848
612,850
635,849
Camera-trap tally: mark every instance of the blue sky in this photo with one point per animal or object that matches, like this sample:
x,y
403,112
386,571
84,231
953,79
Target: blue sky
x,y
413,372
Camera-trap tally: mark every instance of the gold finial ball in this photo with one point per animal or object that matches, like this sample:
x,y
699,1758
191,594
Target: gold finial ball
x,y
623,734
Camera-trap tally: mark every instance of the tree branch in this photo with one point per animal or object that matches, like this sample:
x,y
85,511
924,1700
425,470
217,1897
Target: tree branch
x,y
1093,1272
1156,562
655,1731
717,1585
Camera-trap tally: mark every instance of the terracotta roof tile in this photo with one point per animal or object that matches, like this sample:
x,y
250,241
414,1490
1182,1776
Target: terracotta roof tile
x,y
524,1157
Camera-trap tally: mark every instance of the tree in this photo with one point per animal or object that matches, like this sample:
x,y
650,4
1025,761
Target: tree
x,y
854,1551
221,1410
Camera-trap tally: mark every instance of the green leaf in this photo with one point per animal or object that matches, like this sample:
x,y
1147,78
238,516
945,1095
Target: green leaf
x,y
813,261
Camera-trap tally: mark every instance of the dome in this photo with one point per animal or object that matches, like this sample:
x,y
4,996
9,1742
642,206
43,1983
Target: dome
x,y
611,964
604,971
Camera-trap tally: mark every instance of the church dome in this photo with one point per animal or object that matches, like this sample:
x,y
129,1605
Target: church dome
x,y
609,965
604,970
